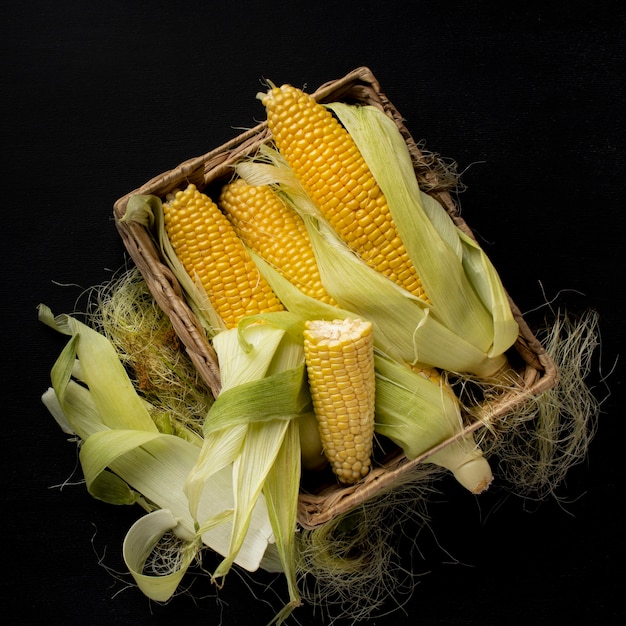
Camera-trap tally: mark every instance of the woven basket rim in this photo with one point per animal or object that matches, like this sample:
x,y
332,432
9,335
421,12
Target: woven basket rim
x,y
360,85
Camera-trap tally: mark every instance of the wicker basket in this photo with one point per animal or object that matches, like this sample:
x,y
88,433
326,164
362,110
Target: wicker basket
x,y
537,370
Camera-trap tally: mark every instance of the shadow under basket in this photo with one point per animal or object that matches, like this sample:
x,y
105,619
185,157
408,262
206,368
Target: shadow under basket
x,y
320,503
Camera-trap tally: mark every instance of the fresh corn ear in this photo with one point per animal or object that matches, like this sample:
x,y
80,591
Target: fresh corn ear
x,y
328,163
459,318
275,232
211,253
339,357
421,415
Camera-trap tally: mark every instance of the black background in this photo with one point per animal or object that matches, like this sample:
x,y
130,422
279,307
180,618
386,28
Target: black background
x,y
98,97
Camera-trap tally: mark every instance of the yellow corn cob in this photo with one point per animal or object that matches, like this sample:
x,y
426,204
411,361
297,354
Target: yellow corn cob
x,y
333,172
275,232
431,373
434,375
339,357
209,249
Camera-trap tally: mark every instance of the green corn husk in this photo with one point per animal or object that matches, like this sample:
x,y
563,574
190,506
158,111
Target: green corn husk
x,y
421,418
126,460
253,428
126,313
142,540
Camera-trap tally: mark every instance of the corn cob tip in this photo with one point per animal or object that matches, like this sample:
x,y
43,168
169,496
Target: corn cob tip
x,y
270,85
467,463
275,94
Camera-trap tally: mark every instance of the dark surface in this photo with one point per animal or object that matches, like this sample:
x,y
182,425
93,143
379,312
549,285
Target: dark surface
x,y
99,97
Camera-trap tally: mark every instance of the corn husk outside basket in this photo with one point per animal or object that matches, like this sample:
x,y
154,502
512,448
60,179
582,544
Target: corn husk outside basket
x,y
537,372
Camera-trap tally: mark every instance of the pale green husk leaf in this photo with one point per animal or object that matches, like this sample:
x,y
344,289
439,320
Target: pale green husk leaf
x,y
140,542
240,362
115,398
486,281
411,410
250,469
281,489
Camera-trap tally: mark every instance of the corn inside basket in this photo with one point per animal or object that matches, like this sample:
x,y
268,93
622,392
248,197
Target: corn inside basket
x,y
323,502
